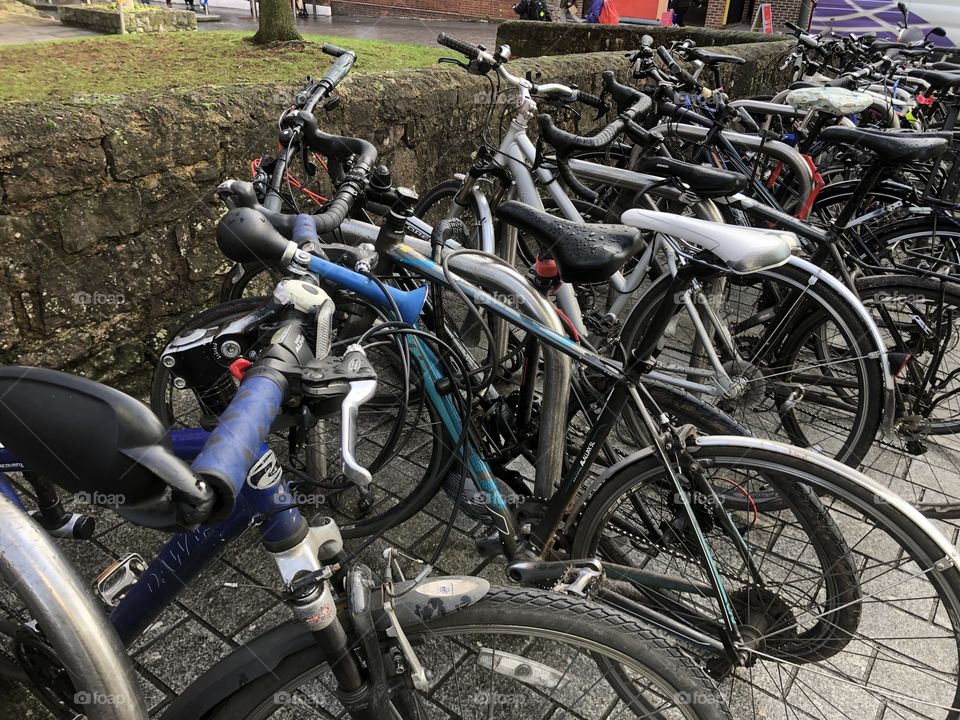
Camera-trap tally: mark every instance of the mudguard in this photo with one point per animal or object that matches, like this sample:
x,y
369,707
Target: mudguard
x,y
433,598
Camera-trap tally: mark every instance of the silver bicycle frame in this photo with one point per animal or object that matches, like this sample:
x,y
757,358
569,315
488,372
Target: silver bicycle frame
x,y
517,154
77,628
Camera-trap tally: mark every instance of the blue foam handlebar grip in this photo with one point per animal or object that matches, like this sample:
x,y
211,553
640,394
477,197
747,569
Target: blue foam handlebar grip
x,y
235,444
304,229
409,302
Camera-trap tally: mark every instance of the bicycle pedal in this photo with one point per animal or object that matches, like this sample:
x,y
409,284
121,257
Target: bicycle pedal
x,y
112,584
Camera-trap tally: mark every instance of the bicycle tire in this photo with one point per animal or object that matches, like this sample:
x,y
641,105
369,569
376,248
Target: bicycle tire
x,y
925,292
525,617
827,306
908,590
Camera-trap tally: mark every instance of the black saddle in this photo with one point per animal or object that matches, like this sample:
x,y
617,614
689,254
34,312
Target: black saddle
x,y
583,253
847,83
711,58
96,441
890,147
881,45
945,66
705,181
938,79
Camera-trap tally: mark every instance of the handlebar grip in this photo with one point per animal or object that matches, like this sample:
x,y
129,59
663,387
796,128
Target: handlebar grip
x,y
461,46
236,442
304,230
244,236
686,78
338,71
794,27
667,58
621,94
333,50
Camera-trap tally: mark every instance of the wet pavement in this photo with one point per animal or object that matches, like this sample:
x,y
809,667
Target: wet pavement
x,y
235,15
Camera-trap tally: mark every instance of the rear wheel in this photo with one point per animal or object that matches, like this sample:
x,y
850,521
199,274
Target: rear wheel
x,y
805,369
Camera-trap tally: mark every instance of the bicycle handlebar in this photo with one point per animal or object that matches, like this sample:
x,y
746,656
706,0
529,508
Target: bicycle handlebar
x,y
461,46
688,80
249,234
242,430
332,146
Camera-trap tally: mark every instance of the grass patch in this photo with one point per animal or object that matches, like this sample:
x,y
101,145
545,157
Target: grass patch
x,y
119,64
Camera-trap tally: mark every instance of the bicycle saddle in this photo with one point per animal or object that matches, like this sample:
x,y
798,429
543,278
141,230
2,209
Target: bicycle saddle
x,y
705,181
890,147
96,441
938,79
833,100
583,253
743,250
711,58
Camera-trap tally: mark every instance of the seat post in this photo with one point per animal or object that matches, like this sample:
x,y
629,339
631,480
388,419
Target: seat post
x,y
870,178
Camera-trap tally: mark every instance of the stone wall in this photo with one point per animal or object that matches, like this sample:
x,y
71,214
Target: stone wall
x,y
142,21
107,210
533,39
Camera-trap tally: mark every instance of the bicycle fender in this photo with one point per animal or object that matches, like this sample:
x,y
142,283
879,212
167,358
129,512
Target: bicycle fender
x,y
433,598
889,388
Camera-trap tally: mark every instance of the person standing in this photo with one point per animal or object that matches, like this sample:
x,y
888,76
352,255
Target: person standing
x,y
679,8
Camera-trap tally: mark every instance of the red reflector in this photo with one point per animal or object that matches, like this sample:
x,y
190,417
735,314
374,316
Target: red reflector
x,y
239,367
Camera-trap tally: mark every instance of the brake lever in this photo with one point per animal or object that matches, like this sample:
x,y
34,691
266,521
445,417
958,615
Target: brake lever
x,y
361,390
454,61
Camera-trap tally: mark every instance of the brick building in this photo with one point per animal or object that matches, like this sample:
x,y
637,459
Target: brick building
x,y
721,13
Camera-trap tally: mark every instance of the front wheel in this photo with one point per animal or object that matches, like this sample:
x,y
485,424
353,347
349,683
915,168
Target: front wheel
x,y
517,653
886,645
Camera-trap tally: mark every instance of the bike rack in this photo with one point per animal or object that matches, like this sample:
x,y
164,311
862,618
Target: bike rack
x,y
71,619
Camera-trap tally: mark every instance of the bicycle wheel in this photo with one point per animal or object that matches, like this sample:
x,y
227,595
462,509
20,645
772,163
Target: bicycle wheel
x,y
517,653
402,443
803,658
804,370
918,317
930,243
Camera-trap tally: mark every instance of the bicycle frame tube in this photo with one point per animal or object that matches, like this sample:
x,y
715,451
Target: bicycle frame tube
x,y
186,555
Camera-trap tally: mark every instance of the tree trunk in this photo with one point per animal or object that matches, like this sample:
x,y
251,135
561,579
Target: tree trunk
x,y
276,23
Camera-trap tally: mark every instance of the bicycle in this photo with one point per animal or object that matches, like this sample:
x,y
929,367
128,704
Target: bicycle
x,y
700,602
353,640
